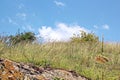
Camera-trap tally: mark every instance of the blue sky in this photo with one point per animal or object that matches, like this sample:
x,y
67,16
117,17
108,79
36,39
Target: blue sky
x,y
59,19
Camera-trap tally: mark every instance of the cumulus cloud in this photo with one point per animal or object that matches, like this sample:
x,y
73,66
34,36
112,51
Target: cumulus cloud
x,y
59,3
62,32
106,27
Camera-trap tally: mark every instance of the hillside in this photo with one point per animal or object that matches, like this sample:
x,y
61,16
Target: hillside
x,y
82,58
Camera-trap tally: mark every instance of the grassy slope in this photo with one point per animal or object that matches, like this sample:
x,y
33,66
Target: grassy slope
x,y
79,57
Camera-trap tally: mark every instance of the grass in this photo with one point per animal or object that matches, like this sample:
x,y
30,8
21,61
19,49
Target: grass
x,y
80,57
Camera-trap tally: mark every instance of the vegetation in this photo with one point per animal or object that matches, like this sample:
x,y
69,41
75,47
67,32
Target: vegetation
x,y
85,37
85,58
22,37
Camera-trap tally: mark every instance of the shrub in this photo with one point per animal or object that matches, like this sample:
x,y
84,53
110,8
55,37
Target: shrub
x,y
22,37
85,37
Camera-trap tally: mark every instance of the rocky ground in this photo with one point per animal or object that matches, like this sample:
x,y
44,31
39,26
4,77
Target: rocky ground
x,y
10,70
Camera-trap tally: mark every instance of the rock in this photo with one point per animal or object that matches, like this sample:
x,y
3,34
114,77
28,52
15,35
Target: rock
x,y
10,70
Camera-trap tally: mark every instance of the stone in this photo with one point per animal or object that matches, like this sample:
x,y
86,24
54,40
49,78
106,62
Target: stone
x,y
10,70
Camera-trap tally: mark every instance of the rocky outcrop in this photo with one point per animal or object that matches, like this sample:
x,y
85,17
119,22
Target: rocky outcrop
x,y
10,70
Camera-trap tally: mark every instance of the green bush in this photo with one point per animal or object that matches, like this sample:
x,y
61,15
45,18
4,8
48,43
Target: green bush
x,y
85,37
22,37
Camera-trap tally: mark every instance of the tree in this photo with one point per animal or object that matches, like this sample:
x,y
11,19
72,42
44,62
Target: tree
x,y
22,37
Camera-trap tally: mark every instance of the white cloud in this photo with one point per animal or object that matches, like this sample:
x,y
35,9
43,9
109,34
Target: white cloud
x,y
21,15
62,32
20,6
95,26
59,3
12,21
28,27
106,27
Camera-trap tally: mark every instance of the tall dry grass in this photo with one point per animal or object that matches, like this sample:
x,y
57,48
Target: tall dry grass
x,y
80,57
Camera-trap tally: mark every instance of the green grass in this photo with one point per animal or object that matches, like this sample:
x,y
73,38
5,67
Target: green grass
x,y
79,57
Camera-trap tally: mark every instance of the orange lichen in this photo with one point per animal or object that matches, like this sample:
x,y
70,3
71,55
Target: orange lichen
x,y
8,72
